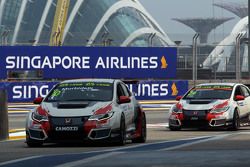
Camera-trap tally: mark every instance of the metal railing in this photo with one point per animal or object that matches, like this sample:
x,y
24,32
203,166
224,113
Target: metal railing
x,y
192,56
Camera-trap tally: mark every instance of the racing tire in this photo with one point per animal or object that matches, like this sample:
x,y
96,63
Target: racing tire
x,y
174,128
33,143
236,122
122,136
143,135
248,119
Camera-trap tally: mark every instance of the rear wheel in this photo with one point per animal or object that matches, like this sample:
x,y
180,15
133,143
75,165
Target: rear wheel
x,y
236,121
143,135
33,143
122,135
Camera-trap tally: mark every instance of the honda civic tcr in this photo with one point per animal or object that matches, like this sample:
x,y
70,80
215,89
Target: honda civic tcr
x,y
86,110
212,105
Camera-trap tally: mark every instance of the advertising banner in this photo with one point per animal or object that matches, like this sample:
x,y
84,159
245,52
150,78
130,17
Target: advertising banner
x,y
143,90
26,91
91,62
158,90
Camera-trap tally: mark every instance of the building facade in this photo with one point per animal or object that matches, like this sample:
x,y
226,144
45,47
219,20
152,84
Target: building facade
x,y
89,23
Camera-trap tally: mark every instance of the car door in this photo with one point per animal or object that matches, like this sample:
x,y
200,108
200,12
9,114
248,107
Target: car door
x,y
123,107
130,105
246,101
242,103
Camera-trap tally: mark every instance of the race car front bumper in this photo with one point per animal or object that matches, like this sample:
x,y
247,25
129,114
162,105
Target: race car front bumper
x,y
203,120
78,129
94,134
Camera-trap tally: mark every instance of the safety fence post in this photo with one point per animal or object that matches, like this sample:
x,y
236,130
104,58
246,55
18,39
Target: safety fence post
x,y
4,122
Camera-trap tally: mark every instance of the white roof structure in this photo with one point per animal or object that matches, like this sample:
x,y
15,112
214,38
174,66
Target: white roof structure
x,y
223,51
124,22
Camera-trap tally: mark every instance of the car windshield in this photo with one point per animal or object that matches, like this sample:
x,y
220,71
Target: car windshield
x,y
209,92
81,91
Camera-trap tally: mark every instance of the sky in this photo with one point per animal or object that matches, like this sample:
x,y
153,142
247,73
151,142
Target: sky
x,y
164,10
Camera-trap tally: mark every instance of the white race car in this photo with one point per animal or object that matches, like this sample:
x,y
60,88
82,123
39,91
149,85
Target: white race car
x,y
212,105
96,109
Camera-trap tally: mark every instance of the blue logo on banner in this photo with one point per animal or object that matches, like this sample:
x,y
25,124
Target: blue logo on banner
x,y
144,90
90,62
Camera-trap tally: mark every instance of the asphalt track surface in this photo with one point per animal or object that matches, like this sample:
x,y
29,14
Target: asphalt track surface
x,y
189,147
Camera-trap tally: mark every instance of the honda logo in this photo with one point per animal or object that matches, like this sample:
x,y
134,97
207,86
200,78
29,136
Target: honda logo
x,y
68,121
195,113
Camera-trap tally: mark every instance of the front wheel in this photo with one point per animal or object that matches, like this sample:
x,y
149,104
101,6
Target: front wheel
x,y
174,128
143,130
236,122
122,135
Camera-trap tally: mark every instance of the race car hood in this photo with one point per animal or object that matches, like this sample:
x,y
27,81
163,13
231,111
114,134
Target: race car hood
x,y
73,109
205,104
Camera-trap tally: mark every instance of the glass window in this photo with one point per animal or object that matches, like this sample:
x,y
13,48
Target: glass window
x,y
209,92
238,91
30,22
120,91
120,25
47,28
81,91
126,91
245,91
86,20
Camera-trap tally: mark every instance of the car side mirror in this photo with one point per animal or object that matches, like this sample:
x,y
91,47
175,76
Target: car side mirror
x,y
178,98
124,99
38,100
239,98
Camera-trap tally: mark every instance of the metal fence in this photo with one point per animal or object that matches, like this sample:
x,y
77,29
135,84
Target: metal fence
x,y
214,61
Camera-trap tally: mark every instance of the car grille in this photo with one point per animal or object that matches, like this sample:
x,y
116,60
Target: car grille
x,y
67,122
61,121
199,114
194,124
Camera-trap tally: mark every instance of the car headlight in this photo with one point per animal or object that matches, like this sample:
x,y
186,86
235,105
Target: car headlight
x,y
177,108
223,107
219,110
36,116
100,117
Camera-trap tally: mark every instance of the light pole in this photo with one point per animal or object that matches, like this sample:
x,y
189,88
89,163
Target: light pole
x,y
92,43
178,43
237,57
195,38
248,37
4,37
32,41
150,39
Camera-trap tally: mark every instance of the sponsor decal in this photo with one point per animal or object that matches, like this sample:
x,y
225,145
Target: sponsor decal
x,y
104,109
215,87
66,128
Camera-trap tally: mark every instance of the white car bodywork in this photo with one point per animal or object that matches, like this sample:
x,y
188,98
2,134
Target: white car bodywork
x,y
216,112
90,119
